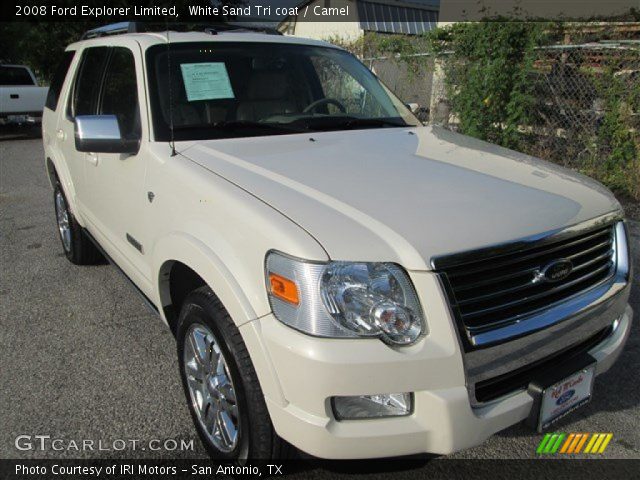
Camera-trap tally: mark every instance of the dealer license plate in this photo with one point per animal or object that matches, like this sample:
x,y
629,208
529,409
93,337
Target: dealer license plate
x,y
564,397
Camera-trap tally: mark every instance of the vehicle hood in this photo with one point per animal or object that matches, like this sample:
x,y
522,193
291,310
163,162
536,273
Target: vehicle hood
x,y
404,195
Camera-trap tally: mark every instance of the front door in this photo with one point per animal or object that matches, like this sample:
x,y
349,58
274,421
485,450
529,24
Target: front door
x,y
116,199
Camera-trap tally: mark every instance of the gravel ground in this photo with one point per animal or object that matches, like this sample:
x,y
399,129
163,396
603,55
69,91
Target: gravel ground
x,y
81,357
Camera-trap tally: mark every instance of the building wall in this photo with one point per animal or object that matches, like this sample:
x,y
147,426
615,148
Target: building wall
x,y
347,29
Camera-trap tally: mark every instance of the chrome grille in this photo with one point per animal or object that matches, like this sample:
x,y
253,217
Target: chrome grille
x,y
491,290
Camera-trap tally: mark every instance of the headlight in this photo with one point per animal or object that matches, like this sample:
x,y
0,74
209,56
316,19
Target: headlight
x,y
345,299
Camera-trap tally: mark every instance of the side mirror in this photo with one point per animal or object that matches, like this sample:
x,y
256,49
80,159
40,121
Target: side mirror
x,y
101,134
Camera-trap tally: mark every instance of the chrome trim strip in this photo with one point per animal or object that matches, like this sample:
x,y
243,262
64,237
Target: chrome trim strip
x,y
507,357
537,296
580,266
498,260
549,316
501,278
621,252
524,286
589,250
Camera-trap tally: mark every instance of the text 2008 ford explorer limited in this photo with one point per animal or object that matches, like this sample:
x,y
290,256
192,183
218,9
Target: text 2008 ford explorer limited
x,y
337,275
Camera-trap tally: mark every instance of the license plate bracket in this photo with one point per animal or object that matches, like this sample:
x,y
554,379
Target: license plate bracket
x,y
561,391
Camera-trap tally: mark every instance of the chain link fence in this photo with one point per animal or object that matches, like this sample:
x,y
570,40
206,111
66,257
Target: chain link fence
x,y
412,81
575,87
585,113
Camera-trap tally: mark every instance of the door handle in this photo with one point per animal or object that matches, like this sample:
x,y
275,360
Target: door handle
x,y
60,135
92,158
14,96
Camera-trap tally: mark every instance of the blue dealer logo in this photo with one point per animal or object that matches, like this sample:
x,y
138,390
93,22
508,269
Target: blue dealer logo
x,y
565,397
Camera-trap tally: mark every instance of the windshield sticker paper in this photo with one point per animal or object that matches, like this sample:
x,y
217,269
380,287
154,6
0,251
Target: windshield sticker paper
x,y
206,81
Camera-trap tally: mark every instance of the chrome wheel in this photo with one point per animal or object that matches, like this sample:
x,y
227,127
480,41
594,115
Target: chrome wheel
x,y
62,215
211,390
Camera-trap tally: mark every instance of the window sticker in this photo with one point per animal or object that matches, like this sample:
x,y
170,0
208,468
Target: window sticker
x,y
206,81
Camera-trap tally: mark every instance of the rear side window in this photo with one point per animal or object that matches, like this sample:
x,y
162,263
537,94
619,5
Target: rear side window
x,y
10,75
58,80
120,92
84,100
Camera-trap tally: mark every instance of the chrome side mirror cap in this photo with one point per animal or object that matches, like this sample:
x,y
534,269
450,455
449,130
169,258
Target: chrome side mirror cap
x,y
101,134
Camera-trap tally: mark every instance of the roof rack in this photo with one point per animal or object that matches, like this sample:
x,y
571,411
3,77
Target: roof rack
x,y
216,28
112,29
211,28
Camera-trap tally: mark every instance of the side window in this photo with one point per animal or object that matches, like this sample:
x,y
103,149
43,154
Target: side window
x,y
120,92
58,80
15,76
84,100
339,84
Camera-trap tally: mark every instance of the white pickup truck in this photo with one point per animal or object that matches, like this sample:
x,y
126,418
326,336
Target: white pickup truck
x,y
21,99
337,276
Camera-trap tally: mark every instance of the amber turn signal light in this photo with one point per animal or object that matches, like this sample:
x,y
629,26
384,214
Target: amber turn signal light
x,y
284,289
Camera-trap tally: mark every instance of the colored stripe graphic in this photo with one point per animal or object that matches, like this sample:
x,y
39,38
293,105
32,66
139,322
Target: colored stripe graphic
x,y
582,442
598,443
573,443
571,446
596,446
593,439
543,443
605,442
550,443
567,443
556,445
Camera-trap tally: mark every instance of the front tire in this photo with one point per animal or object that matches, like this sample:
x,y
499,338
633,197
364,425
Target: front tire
x,y
222,389
78,249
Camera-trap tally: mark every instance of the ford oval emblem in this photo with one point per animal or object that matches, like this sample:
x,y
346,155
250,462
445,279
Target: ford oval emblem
x,y
557,270
565,397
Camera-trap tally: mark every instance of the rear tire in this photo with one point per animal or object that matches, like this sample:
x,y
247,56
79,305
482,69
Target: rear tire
x,y
205,324
77,247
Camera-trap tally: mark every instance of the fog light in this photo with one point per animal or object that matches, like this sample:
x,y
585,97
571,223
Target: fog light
x,y
372,406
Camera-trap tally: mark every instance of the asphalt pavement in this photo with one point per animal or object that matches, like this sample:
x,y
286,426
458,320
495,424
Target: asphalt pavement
x,y
82,359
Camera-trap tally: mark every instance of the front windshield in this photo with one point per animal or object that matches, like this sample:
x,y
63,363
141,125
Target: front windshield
x,y
239,89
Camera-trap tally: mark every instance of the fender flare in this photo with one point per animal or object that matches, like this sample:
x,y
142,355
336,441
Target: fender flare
x,y
189,250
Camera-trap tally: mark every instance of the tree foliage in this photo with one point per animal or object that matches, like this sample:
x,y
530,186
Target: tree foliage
x,y
614,155
487,76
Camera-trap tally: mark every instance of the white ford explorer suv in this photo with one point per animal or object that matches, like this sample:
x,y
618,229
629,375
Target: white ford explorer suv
x,y
337,276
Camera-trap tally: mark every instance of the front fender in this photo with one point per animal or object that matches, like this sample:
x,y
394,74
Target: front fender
x,y
187,249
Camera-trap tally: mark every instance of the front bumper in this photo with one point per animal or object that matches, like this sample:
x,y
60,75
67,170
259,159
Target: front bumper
x,y
21,119
308,371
